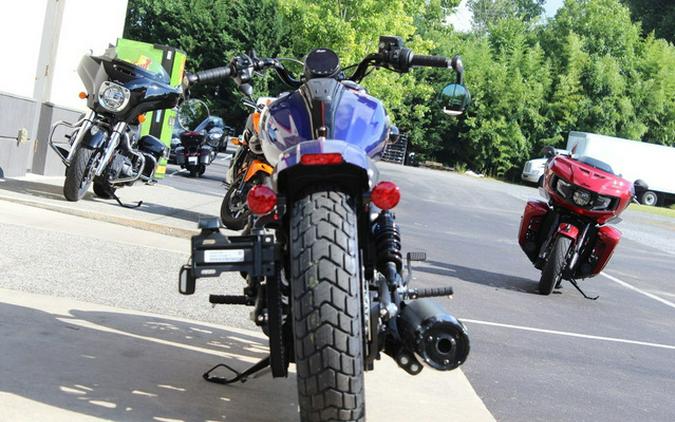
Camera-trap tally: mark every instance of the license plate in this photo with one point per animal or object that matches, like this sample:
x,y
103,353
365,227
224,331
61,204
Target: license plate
x,y
223,256
193,160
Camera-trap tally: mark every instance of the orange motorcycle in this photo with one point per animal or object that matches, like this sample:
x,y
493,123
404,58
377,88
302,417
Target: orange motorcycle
x,y
248,168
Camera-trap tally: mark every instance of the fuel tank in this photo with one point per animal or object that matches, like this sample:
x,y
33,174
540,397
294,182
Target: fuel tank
x,y
325,108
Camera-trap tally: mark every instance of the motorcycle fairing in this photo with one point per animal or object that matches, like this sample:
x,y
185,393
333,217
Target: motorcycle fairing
x,y
324,108
530,226
608,238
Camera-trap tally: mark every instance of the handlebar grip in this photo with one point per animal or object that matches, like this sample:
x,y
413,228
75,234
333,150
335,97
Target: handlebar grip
x,y
431,292
210,75
430,61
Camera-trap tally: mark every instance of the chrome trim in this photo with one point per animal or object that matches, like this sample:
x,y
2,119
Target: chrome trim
x,y
141,157
81,127
113,142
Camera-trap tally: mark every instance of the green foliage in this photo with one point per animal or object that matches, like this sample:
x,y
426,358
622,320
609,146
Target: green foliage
x,y
656,15
532,81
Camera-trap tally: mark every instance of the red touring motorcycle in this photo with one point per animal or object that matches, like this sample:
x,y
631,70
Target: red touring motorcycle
x,y
322,252
567,238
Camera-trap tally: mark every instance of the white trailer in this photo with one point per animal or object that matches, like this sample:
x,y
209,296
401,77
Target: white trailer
x,y
632,160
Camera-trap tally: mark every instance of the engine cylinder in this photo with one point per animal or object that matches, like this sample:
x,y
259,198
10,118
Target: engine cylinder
x,y
437,338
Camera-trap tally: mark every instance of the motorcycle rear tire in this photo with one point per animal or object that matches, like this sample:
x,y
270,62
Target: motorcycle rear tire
x,y
78,174
193,170
553,269
226,217
327,308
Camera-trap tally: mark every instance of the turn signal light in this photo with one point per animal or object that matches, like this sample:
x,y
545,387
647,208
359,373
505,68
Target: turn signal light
x,y
328,159
385,195
82,95
261,200
141,118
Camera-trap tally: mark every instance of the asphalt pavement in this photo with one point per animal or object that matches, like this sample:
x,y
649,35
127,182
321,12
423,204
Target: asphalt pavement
x,y
537,358
66,359
555,358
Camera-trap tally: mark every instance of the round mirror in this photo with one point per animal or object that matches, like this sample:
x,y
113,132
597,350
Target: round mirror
x,y
191,113
455,99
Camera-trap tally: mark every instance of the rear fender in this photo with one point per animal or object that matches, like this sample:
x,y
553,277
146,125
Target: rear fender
x,y
256,167
356,174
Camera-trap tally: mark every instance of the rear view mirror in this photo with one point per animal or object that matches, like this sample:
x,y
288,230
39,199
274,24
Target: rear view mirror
x,y
640,186
191,112
455,99
394,134
548,152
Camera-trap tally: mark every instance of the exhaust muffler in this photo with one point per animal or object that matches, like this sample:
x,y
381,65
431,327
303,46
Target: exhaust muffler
x,y
435,337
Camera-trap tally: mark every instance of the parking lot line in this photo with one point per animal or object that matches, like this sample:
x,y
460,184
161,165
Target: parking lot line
x,y
630,286
569,334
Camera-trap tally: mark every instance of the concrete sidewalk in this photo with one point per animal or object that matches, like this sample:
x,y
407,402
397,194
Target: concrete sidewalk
x,y
64,360
165,210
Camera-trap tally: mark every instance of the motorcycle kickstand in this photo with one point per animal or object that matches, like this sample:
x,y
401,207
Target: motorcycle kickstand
x,y
576,286
122,204
240,376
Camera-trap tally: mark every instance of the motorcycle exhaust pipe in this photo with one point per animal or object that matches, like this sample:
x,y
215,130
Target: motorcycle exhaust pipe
x,y
435,337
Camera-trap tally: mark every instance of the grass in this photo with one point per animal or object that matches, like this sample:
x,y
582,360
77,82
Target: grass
x,y
668,212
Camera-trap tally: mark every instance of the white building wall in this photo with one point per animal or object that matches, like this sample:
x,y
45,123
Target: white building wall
x,y
86,25
21,24
42,41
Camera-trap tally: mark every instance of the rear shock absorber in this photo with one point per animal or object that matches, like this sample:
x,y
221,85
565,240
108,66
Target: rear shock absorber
x,y
389,260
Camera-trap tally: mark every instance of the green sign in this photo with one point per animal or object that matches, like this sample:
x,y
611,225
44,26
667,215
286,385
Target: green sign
x,y
154,57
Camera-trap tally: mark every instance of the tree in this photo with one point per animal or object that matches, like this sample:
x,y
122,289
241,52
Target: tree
x,y
656,15
488,12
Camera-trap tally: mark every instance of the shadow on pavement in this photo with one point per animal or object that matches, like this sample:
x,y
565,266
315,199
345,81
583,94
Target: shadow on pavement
x,y
120,366
55,192
42,190
474,275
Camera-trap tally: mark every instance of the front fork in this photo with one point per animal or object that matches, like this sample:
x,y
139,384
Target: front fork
x,y
573,232
113,143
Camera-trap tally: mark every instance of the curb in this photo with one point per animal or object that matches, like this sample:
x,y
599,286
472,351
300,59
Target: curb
x,y
123,221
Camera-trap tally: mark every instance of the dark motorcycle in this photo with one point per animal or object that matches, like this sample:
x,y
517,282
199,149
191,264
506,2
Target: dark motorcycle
x,y
323,260
104,148
200,146
248,168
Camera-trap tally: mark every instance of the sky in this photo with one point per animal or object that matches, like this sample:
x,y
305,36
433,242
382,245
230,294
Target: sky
x,y
461,20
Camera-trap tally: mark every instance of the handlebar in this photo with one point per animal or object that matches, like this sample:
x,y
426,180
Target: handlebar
x,y
210,75
392,55
430,61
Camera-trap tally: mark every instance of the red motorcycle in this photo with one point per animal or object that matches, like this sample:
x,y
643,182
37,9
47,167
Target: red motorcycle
x,y
566,237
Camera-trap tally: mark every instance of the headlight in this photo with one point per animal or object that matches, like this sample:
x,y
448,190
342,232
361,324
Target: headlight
x,y
602,202
581,197
113,97
563,188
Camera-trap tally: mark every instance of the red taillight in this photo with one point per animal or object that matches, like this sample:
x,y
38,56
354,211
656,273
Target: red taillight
x,y
385,195
327,159
261,200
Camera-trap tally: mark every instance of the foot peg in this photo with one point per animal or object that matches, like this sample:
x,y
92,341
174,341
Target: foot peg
x,y
416,256
230,300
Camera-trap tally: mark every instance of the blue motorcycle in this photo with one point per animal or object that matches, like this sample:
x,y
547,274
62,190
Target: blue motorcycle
x,y
322,251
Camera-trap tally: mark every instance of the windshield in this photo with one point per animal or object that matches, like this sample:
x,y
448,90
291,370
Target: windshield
x,y
601,165
139,59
